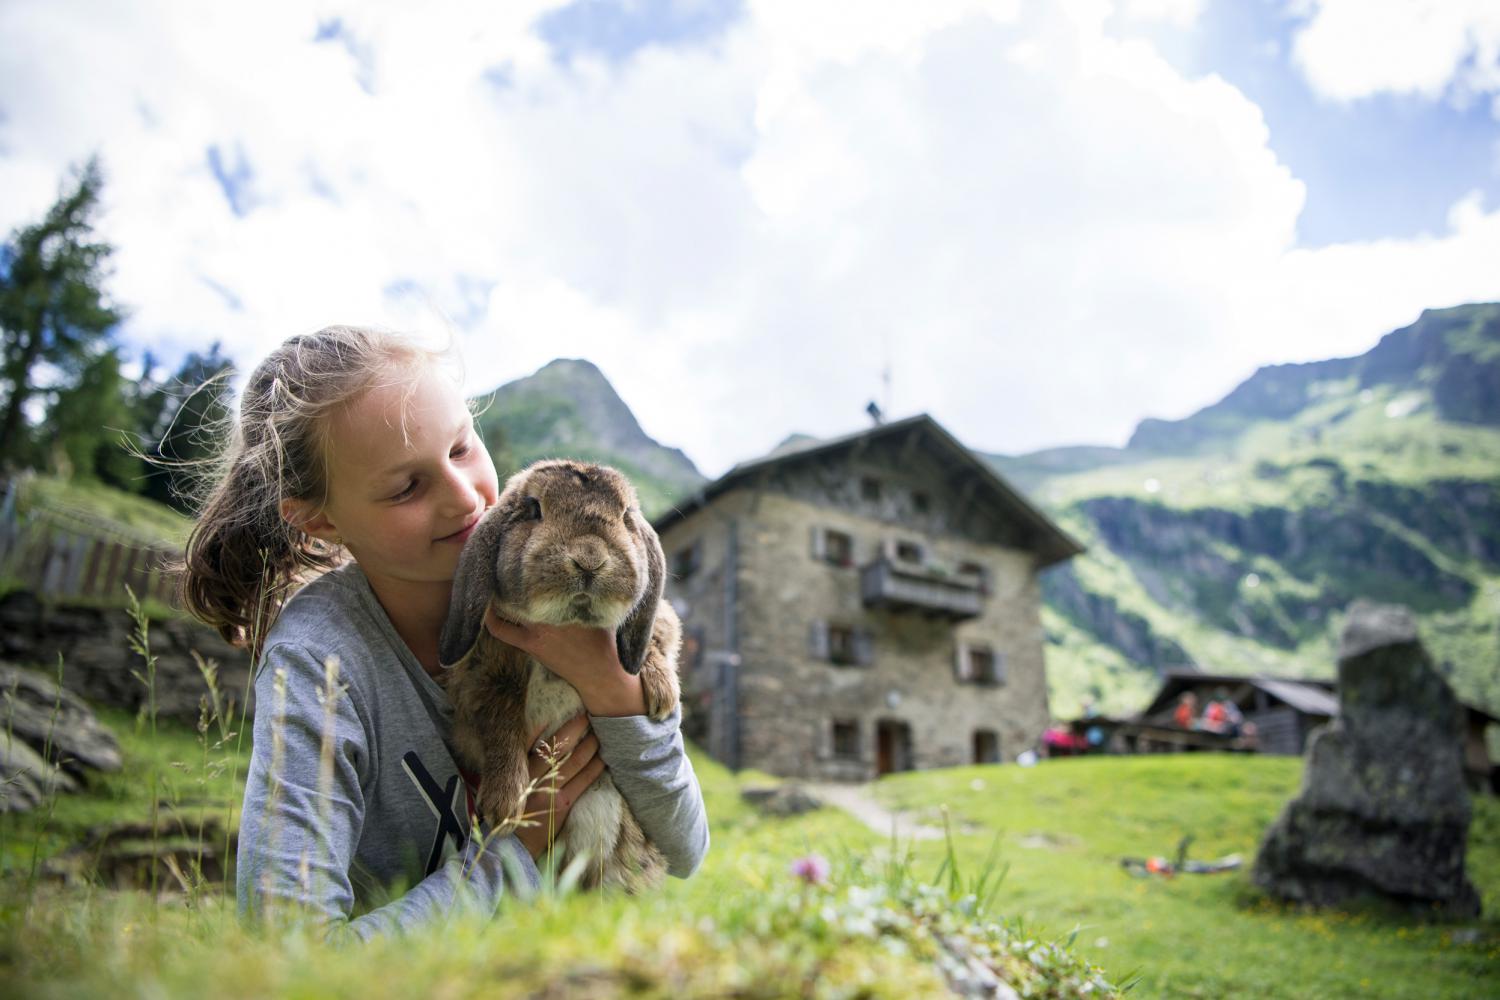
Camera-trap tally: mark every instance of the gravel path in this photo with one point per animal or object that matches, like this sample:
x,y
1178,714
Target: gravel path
x,y
856,800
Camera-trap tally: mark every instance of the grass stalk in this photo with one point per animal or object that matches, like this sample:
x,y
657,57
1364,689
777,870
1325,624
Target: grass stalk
x,y
140,643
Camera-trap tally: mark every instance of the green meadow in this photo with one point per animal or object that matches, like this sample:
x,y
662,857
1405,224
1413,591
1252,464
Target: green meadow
x,y
1030,883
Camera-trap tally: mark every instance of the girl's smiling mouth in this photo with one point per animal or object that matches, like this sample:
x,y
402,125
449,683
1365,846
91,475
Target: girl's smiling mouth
x,y
461,535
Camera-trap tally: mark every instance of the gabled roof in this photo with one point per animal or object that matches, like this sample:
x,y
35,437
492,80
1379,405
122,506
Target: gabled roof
x,y
1050,542
1310,696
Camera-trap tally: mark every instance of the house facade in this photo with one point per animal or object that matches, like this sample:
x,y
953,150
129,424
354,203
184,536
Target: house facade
x,y
862,605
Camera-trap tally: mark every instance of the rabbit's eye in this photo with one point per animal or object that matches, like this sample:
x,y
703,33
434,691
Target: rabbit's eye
x,y
531,509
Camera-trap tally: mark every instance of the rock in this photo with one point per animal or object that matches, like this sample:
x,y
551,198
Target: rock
x,y
1371,626
1383,808
781,800
25,778
176,854
55,722
100,665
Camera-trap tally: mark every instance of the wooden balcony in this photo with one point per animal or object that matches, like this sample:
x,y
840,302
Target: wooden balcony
x,y
900,586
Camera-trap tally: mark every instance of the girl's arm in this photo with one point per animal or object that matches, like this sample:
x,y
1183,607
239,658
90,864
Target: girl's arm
x,y
304,815
651,769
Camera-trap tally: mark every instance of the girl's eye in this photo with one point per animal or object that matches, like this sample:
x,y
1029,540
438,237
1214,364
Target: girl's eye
x,y
460,451
411,488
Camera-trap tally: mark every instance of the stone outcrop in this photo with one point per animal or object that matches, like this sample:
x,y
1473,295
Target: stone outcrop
x,y
781,800
49,740
99,664
55,722
26,779
1383,809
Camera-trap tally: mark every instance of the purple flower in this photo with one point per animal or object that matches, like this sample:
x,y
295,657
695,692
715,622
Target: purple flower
x,y
812,869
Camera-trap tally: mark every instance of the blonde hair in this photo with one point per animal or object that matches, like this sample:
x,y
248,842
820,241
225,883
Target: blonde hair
x,y
242,558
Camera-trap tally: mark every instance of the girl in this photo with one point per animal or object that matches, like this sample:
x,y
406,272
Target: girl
x,y
355,471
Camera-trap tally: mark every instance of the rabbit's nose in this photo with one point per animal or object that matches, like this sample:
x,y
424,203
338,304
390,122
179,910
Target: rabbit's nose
x,y
588,556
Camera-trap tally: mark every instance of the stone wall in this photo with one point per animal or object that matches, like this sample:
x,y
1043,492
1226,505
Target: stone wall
x,y
99,664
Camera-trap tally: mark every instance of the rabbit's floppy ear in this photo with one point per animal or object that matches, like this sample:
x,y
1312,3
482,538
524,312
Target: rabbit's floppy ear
x,y
633,637
475,583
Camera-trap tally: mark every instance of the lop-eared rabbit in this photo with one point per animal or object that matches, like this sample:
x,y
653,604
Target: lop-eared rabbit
x,y
565,544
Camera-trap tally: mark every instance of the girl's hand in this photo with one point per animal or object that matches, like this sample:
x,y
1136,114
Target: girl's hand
x,y
586,658
549,805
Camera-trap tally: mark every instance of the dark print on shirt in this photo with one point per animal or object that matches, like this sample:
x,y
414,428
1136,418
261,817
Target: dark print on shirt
x,y
447,803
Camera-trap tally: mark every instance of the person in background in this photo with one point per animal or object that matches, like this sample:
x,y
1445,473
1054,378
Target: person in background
x,y
1186,714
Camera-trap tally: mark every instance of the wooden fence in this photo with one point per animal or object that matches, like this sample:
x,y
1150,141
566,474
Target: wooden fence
x,y
66,554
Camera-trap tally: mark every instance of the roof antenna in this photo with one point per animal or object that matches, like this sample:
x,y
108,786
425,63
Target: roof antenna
x,y
885,375
874,409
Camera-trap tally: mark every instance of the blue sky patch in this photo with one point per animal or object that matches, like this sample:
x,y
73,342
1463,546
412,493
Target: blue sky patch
x,y
617,30
230,299
333,31
1385,166
233,172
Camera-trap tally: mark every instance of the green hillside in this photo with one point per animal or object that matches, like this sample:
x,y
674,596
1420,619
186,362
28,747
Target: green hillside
x,y
1235,538
568,409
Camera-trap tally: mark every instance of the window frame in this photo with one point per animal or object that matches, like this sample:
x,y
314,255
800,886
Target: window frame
x,y
852,746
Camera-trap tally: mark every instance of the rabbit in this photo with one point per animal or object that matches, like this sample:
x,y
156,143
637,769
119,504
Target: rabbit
x,y
566,543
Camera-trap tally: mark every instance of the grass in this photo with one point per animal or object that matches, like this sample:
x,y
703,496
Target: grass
x,y
126,513
742,926
1065,824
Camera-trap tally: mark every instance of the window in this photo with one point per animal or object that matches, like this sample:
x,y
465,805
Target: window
x,y
846,739
838,548
920,503
869,489
909,552
986,746
833,547
984,666
687,561
976,571
977,664
843,644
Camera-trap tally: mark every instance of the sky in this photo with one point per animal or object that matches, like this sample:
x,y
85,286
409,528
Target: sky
x,y
1039,221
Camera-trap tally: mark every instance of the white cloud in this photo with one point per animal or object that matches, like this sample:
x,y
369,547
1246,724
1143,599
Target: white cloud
x,y
1054,231
1356,48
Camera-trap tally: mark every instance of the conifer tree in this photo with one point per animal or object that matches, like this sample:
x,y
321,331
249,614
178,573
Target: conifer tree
x,y
55,316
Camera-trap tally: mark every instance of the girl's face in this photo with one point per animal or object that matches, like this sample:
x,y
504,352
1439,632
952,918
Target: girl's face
x,y
404,499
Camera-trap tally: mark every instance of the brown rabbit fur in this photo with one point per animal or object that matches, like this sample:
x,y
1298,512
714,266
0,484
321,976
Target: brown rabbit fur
x,y
565,544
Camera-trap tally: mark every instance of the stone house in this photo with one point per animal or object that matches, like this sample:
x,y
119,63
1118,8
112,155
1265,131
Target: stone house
x,y
861,605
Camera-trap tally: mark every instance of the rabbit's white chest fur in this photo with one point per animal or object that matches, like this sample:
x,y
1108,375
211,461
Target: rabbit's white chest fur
x,y
594,823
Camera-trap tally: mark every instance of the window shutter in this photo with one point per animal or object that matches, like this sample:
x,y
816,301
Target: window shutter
x,y
819,543
864,647
999,667
823,739
962,669
817,640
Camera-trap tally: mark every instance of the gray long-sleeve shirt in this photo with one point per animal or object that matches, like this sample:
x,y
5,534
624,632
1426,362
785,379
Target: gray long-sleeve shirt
x,y
382,802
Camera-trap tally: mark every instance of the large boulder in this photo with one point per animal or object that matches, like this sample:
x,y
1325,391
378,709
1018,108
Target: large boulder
x,y
55,722
26,780
1383,809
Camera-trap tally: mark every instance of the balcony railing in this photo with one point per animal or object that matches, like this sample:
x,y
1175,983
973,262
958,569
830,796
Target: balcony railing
x,y
900,586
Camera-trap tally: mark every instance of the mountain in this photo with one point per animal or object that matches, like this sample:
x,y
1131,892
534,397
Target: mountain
x,y
568,408
1234,538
